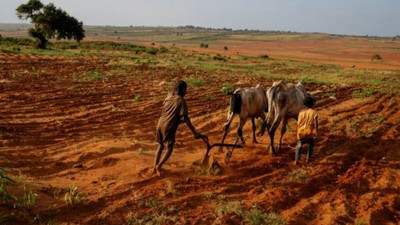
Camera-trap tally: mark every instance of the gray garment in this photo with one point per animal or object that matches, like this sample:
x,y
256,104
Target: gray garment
x,y
174,109
300,143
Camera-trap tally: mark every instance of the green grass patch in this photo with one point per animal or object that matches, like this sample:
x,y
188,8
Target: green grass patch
x,y
209,97
154,218
196,81
257,216
300,175
73,196
206,170
364,93
380,119
254,216
311,80
94,75
354,125
6,196
227,88
137,98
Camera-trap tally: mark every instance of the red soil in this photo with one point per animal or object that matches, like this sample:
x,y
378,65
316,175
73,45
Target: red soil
x,y
56,132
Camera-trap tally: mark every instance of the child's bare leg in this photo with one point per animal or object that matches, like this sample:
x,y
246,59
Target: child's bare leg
x,y
166,156
158,155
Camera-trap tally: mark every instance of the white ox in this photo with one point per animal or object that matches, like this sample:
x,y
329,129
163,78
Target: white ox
x,y
285,101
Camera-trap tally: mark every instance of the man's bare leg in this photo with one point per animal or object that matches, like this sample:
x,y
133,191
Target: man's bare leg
x,y
158,156
166,156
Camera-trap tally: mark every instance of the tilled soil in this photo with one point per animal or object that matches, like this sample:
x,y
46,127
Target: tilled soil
x,y
57,132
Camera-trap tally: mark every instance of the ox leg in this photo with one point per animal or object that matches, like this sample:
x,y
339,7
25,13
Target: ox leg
x,y
272,130
240,130
263,125
226,128
253,122
283,131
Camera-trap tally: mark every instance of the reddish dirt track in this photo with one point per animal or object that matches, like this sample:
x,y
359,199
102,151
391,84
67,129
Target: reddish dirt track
x,y
57,132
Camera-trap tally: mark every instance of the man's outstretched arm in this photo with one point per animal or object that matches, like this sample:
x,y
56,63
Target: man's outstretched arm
x,y
197,134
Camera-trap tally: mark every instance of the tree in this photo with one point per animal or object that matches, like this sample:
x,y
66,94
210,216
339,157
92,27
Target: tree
x,y
50,22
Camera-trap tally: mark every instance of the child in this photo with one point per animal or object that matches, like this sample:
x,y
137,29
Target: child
x,y
173,113
307,128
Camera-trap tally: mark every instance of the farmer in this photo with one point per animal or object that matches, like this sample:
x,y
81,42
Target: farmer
x,y
173,113
307,128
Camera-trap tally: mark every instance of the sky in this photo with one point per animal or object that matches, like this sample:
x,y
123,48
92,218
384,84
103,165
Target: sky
x,y
351,17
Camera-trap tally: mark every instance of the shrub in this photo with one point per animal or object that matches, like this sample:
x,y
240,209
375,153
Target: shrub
x,y
9,41
226,48
376,57
264,56
111,46
66,45
16,49
219,57
227,88
163,49
151,50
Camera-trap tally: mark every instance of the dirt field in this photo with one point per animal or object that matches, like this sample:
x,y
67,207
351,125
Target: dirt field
x,y
100,136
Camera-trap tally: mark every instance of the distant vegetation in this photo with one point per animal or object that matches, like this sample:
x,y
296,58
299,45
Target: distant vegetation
x,y
202,45
220,57
50,22
376,57
114,46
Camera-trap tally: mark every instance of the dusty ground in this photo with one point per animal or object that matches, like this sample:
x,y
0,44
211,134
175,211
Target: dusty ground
x,y
57,132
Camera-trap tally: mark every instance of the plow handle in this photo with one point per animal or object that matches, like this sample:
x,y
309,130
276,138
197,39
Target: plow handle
x,y
205,139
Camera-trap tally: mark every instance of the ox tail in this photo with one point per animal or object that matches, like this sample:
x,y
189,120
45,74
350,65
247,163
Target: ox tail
x,y
236,103
272,99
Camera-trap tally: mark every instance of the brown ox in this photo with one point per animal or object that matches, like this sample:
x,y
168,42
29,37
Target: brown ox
x,y
247,103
